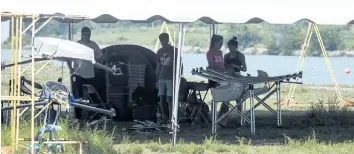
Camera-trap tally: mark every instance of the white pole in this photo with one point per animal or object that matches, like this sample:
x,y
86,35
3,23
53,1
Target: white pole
x,y
69,109
174,88
214,29
177,76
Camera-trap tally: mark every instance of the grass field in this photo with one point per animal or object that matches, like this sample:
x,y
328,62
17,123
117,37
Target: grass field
x,y
314,125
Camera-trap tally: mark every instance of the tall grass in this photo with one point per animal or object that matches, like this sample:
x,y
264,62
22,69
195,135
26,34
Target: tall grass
x,y
308,146
323,114
94,140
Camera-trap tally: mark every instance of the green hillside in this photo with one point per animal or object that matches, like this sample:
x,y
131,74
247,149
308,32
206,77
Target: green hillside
x,y
270,39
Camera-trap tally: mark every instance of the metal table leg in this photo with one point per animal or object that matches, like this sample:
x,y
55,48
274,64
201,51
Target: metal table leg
x,y
253,123
279,122
214,117
243,109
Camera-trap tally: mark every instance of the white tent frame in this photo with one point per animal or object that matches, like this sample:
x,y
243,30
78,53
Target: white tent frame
x,y
212,13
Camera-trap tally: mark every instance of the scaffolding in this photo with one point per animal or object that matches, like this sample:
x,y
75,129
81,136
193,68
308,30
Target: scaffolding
x,y
17,32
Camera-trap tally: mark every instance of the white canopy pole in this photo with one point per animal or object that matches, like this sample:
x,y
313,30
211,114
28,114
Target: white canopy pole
x,y
214,29
177,79
69,38
69,109
174,135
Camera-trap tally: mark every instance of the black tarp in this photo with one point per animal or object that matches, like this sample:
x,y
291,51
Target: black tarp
x,y
129,55
136,55
143,96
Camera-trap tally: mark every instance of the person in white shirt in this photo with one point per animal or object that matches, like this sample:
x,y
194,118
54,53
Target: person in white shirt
x,y
83,72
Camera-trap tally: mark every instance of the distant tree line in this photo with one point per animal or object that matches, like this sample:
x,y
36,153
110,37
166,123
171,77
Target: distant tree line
x,y
277,39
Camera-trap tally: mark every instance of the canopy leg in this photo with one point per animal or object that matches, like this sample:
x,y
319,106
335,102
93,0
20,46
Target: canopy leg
x,y
214,117
177,79
253,121
278,103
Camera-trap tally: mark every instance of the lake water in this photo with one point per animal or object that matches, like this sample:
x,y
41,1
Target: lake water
x,y
315,69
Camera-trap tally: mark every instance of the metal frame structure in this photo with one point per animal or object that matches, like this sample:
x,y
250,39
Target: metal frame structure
x,y
313,27
16,46
237,85
177,75
16,54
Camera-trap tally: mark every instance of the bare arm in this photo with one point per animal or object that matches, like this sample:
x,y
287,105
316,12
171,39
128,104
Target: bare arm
x,y
210,60
97,51
243,63
157,65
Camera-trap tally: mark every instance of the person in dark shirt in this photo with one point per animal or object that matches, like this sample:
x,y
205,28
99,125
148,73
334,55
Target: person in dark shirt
x,y
164,75
235,60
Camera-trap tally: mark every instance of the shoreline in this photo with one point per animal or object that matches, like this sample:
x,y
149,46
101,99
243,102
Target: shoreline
x,y
246,51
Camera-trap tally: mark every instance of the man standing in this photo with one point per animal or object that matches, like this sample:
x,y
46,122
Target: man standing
x,y
164,76
83,72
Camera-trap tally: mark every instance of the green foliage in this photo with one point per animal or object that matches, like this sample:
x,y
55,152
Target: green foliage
x,y
277,39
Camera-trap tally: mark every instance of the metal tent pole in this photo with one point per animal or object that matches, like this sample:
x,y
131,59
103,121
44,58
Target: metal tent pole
x,y
177,76
174,140
32,86
18,56
70,109
13,80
